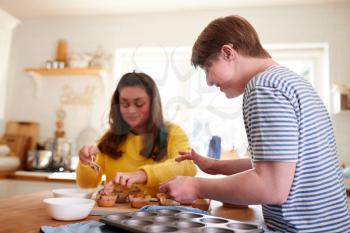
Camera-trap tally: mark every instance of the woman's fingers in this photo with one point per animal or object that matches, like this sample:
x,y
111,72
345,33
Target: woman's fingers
x,y
110,183
109,187
87,156
121,178
84,155
123,181
129,183
92,151
95,167
117,178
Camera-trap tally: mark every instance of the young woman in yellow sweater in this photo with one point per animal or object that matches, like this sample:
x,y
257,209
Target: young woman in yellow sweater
x,y
139,147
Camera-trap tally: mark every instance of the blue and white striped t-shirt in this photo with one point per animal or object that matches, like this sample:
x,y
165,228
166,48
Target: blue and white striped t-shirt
x,y
286,121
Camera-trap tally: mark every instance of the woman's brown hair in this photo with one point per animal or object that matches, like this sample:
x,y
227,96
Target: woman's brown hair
x,y
233,30
155,139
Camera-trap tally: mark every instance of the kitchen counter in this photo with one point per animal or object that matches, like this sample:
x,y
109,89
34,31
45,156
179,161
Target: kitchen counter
x,y
27,213
4,175
68,177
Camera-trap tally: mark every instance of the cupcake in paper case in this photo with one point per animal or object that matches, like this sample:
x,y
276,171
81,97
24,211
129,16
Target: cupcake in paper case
x,y
202,204
106,199
138,200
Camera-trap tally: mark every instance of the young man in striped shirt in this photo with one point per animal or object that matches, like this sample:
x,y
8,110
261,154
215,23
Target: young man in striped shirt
x,y
293,171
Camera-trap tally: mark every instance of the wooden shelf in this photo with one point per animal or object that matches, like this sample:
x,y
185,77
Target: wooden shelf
x,y
37,73
66,71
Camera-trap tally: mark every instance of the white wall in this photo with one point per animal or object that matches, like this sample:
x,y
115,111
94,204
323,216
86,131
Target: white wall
x,y
35,41
7,24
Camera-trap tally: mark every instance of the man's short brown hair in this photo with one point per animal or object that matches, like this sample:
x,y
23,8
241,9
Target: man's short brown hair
x,y
234,30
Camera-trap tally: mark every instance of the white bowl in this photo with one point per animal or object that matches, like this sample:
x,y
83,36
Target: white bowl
x,y
9,163
73,192
68,208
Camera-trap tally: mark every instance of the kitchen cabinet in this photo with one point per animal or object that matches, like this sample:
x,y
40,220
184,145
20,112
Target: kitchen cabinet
x,y
38,73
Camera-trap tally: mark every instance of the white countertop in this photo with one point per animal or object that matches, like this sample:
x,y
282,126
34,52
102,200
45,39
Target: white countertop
x,y
50,175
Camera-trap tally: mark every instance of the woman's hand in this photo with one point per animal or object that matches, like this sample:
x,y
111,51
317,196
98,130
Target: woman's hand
x,y
87,156
183,189
204,163
129,178
108,188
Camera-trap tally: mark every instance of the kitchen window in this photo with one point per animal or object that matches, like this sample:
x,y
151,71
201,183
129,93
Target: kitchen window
x,y
204,111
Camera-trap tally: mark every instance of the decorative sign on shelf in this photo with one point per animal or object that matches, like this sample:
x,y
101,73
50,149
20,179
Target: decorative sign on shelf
x,y
73,97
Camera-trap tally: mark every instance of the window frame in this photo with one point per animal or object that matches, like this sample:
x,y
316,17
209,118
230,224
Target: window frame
x,y
188,106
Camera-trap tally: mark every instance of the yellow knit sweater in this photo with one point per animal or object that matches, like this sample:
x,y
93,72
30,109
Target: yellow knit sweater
x,y
131,160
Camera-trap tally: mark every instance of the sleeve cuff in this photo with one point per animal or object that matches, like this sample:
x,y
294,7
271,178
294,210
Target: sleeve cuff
x,y
151,181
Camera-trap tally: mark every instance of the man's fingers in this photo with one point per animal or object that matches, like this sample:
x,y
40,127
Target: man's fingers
x,y
184,152
182,157
163,188
194,153
179,158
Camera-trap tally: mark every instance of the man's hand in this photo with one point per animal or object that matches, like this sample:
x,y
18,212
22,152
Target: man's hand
x,y
183,189
204,163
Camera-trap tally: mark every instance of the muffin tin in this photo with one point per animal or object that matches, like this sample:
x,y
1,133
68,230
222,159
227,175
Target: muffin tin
x,y
169,220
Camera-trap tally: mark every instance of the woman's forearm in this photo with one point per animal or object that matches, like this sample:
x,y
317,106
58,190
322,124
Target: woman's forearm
x,y
86,177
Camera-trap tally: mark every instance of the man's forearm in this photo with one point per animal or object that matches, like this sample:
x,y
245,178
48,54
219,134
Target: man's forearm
x,y
230,167
242,188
